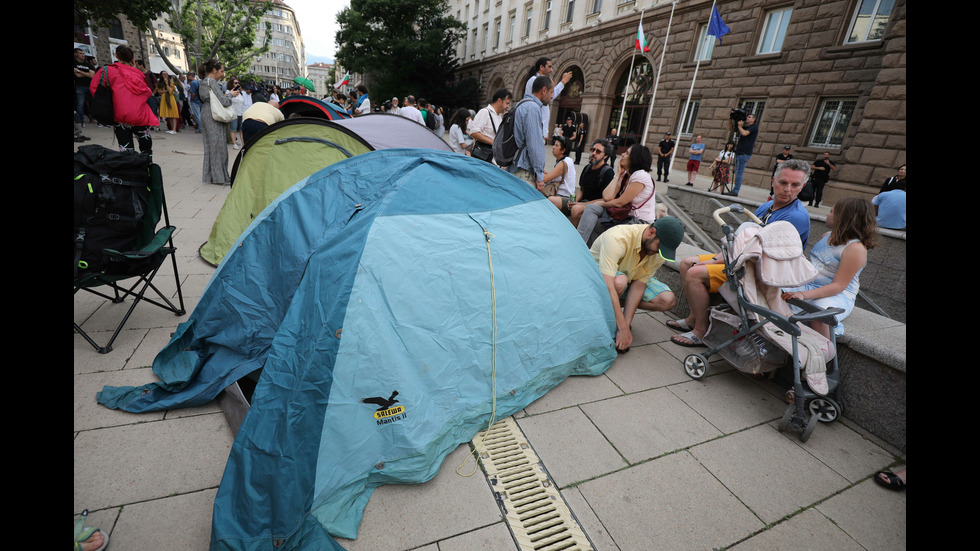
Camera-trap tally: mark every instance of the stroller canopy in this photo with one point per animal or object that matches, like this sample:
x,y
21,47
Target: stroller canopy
x,y
278,157
386,297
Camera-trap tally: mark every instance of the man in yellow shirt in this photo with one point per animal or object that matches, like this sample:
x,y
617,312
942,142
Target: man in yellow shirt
x,y
628,255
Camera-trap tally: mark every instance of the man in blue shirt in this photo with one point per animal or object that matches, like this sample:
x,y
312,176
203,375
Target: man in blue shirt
x,y
748,132
694,161
890,207
195,100
704,274
529,135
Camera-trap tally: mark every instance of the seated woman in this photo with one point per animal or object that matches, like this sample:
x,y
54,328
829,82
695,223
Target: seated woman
x,y
839,256
562,177
628,199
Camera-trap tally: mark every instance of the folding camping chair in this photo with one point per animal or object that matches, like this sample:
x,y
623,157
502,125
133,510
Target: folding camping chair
x,y
143,262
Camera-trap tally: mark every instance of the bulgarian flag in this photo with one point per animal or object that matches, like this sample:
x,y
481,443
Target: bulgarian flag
x,y
641,40
343,81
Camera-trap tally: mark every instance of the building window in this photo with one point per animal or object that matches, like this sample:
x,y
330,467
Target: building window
x,y
596,6
513,24
569,11
774,31
547,15
870,18
115,30
706,45
687,126
832,121
527,24
486,35
496,34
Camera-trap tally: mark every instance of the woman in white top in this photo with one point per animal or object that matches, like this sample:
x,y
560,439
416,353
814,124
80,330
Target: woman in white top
x,y
563,174
720,167
440,123
458,139
632,188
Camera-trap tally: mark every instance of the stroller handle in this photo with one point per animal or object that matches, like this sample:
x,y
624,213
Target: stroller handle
x,y
737,209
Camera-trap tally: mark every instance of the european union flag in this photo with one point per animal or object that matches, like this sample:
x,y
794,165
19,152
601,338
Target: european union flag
x,y
717,27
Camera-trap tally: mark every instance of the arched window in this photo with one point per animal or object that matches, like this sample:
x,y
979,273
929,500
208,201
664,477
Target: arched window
x,y
638,96
115,30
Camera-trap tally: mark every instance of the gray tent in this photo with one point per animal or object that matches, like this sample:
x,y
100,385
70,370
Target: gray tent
x,y
385,131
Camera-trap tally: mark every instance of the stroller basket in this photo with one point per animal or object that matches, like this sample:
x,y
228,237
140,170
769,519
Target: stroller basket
x,y
752,353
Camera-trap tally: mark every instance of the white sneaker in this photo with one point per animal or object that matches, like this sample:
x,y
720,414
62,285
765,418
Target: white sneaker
x,y
236,146
170,132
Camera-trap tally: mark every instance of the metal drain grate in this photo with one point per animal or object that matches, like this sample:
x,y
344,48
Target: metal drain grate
x,y
536,512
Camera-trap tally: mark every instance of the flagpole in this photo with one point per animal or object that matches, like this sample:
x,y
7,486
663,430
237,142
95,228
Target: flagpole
x,y
690,91
619,127
656,84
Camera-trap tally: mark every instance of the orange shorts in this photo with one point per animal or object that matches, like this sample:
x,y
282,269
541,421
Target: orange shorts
x,y
716,273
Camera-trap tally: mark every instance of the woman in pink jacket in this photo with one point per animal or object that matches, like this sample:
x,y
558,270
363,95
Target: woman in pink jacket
x,y
129,94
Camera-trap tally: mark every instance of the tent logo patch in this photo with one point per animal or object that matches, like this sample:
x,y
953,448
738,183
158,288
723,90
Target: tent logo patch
x,y
387,411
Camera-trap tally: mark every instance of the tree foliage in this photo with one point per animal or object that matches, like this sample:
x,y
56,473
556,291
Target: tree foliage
x,y
404,47
101,13
222,29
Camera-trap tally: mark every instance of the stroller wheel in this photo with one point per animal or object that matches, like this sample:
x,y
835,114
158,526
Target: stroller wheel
x,y
787,418
826,410
696,366
810,425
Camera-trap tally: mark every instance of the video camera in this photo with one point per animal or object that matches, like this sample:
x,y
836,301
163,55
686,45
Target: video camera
x,y
737,114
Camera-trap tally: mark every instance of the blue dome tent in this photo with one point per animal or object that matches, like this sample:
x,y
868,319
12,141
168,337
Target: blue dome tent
x,y
396,301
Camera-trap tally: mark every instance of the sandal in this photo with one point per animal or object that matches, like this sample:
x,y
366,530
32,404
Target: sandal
x,y
84,533
679,325
695,341
890,481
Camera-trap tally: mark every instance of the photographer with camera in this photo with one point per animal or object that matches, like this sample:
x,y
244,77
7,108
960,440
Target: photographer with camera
x,y
748,131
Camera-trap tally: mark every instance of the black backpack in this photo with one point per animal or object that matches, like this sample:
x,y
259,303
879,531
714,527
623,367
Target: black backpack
x,y
504,146
111,198
102,100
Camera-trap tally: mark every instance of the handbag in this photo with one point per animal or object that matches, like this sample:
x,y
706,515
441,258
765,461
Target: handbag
x,y
102,109
622,213
483,151
219,112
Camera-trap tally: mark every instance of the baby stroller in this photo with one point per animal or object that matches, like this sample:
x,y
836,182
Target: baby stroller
x,y
757,331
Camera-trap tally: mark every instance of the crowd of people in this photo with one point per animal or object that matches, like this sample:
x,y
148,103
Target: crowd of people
x,y
611,204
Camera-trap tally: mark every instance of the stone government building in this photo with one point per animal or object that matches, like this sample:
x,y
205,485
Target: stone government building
x,y
820,75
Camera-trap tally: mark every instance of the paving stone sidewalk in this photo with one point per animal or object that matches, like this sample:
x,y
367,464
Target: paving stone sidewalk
x,y
646,457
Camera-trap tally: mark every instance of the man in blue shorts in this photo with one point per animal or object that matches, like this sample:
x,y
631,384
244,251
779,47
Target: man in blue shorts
x,y
704,274
628,255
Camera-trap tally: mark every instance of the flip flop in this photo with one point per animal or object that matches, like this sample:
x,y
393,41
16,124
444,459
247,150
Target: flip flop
x,y
679,325
892,481
83,533
695,341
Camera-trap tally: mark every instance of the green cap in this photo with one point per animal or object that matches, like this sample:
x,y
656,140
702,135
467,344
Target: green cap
x,y
670,231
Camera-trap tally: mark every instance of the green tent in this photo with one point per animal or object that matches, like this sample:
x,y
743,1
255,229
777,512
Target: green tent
x,y
277,158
